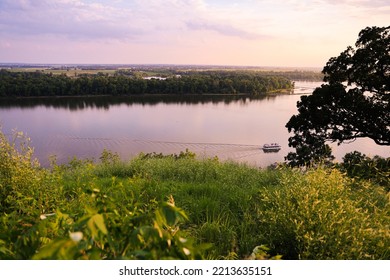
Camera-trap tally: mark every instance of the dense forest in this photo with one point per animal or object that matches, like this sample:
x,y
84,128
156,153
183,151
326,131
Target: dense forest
x,y
24,84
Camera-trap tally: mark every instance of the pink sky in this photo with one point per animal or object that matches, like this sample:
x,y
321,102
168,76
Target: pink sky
x,y
248,32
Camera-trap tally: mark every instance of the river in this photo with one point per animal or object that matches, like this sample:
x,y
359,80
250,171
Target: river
x,y
231,128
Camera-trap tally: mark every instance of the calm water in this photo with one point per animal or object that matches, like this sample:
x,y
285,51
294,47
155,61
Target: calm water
x,y
230,128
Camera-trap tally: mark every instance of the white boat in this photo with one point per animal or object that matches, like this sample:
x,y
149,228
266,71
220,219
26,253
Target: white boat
x,y
273,147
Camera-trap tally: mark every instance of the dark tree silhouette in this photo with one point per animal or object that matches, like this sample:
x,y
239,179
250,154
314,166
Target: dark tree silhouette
x,y
354,103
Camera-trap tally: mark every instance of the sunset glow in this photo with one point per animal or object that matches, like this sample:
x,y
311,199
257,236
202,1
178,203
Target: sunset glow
x,y
248,32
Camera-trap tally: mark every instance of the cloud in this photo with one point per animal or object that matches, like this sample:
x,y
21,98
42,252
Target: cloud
x,y
201,31
70,18
372,12
120,20
224,29
359,3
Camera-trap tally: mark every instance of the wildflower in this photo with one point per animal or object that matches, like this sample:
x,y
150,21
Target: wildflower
x,y
186,251
182,240
76,236
44,216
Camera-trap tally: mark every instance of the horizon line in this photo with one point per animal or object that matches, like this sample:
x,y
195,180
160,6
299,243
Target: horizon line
x,y
155,64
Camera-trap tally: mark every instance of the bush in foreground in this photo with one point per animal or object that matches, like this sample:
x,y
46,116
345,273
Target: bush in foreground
x,y
129,210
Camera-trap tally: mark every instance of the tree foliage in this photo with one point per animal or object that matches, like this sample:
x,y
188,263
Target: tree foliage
x,y
354,104
22,84
376,169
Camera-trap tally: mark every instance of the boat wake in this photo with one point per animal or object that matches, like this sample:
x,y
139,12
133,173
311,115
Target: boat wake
x,y
68,146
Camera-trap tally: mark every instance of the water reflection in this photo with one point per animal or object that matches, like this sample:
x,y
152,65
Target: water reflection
x,y
230,127
105,102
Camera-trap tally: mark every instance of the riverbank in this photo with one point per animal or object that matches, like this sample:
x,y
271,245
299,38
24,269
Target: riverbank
x,y
181,207
147,95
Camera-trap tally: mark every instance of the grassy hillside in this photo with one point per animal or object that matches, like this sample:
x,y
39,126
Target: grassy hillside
x,y
181,207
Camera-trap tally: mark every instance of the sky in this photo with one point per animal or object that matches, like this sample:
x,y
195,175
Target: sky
x,y
284,33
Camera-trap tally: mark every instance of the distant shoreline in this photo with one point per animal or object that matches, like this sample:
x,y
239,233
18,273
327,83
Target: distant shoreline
x,y
281,92
159,66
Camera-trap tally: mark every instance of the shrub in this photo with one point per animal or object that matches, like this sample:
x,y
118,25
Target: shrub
x,y
125,210
319,215
376,169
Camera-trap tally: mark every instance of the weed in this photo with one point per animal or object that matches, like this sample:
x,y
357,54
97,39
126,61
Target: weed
x,y
126,210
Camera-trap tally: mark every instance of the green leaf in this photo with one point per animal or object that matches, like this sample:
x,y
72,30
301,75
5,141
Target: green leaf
x,y
170,215
95,223
60,249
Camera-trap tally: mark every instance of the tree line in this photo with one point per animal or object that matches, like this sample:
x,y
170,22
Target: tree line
x,y
24,84
296,75
166,71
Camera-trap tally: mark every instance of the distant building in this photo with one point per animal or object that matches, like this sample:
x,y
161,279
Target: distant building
x,y
155,78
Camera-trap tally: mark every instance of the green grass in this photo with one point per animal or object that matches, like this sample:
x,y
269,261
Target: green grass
x,y
181,207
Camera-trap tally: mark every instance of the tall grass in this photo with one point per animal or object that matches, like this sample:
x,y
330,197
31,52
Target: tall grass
x,y
323,215
130,210
319,214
